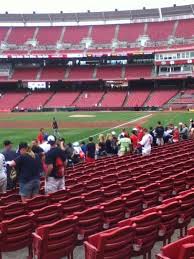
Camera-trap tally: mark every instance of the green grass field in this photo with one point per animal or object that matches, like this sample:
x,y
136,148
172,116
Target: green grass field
x,y
74,134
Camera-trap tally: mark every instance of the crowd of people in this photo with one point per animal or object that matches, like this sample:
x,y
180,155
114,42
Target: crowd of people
x,y
48,155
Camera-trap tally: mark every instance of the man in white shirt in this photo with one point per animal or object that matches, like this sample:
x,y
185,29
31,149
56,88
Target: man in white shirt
x,y
146,143
3,175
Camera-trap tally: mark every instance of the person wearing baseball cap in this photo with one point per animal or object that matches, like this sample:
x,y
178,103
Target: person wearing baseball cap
x,y
56,162
9,155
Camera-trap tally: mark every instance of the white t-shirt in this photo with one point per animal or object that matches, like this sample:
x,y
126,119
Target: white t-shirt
x,y
45,146
146,143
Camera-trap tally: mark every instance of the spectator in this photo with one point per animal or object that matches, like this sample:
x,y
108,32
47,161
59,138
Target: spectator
x,y
140,133
3,176
146,143
159,134
83,147
90,150
125,145
79,155
153,134
114,143
108,144
184,132
36,149
167,135
56,163
40,137
123,133
101,147
134,139
176,135
55,128
9,155
29,168
45,145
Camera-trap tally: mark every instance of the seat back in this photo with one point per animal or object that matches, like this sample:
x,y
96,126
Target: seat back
x,y
58,239
12,210
47,215
115,243
58,196
37,202
90,221
16,233
72,205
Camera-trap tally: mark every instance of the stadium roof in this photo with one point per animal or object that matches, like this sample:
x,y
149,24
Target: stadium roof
x,y
133,15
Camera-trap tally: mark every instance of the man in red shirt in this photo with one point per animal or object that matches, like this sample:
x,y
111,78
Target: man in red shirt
x,y
134,139
40,136
140,133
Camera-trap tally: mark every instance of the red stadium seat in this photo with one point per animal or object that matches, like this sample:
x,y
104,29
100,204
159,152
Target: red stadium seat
x,y
56,240
93,198
47,215
150,195
10,199
93,184
72,205
111,191
16,234
12,210
90,221
133,203
58,196
37,202
113,212
146,232
115,243
180,249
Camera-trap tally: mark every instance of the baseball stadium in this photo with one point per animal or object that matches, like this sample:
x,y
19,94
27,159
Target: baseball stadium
x,y
98,73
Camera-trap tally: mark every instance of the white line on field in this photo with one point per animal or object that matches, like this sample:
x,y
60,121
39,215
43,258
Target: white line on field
x,y
118,126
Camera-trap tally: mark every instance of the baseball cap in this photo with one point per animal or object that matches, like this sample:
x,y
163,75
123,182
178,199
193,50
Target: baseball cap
x,y
51,139
113,133
7,142
135,129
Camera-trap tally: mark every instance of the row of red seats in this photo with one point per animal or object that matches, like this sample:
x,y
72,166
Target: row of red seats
x,y
157,223
137,235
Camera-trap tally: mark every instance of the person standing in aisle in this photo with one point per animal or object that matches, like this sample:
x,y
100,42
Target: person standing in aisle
x,y
55,128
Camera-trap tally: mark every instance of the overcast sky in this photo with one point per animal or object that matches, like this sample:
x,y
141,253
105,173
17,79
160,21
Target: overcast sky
x,y
27,6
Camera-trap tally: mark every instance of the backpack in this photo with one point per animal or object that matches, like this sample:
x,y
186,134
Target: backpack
x,y
60,169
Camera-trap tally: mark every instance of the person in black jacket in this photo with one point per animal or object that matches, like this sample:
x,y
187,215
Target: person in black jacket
x,y
159,130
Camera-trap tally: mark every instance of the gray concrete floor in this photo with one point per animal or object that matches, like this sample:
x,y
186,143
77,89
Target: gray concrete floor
x,y
79,251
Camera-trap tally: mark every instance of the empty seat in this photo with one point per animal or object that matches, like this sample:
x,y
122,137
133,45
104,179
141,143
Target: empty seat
x,y
90,221
146,232
133,203
12,210
58,196
150,195
37,202
93,198
115,243
111,191
72,205
16,234
12,198
180,249
113,212
55,240
47,215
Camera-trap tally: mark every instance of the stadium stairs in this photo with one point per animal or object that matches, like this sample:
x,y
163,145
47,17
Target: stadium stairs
x,y
77,98
17,104
148,98
171,101
50,97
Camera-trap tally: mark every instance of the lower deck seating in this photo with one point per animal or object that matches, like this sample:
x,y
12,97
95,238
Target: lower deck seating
x,y
137,98
160,97
113,99
89,99
35,100
9,100
62,99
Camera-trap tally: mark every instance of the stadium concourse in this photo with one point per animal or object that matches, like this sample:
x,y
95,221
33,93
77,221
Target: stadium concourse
x,y
129,195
